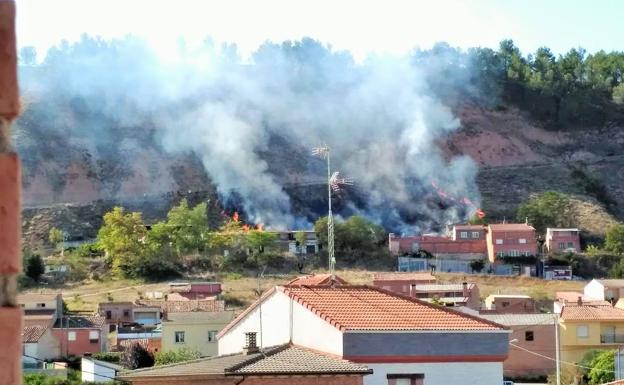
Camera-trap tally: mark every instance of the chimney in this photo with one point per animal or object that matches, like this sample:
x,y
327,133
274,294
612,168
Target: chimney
x,y
465,289
250,344
579,301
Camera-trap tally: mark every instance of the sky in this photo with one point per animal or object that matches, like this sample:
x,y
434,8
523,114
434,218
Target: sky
x,y
360,26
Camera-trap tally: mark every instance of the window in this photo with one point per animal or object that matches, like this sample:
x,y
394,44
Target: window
x,y
582,331
475,234
212,335
570,245
499,241
514,253
405,379
126,313
71,336
94,336
109,314
528,335
505,304
41,305
179,337
561,246
522,240
463,234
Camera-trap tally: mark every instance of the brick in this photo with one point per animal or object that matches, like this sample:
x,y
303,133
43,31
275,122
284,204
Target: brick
x,y
10,222
11,337
9,97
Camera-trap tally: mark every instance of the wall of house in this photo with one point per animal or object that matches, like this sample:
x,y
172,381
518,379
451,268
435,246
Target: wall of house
x,y
566,238
311,331
30,353
273,314
93,372
594,290
464,373
510,305
425,346
568,332
49,346
195,337
82,344
117,312
521,363
511,241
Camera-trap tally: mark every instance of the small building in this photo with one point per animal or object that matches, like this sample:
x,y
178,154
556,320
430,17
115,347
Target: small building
x,y
99,371
468,232
196,290
287,242
194,330
39,344
41,304
563,240
510,303
532,332
604,289
79,335
589,327
557,272
453,294
510,240
279,365
402,283
439,246
403,340
116,313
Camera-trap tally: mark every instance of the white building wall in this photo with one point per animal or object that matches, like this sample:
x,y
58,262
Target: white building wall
x,y
275,325
594,290
447,373
30,351
311,331
92,372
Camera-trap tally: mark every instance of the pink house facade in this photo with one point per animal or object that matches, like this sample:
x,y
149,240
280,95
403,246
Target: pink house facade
x,y
510,240
563,240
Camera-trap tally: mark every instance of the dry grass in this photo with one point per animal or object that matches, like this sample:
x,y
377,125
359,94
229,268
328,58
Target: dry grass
x,y
86,297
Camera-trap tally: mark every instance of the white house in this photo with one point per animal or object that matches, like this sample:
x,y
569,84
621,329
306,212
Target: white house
x,y
39,344
604,289
399,337
98,371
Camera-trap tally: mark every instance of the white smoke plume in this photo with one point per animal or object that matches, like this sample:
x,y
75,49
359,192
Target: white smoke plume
x,y
380,117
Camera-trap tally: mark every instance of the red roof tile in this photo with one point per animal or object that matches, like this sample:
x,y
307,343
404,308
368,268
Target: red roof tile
x,y
314,280
33,333
569,296
592,312
400,276
370,308
511,227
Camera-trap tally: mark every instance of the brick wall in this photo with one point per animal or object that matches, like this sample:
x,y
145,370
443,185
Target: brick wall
x,y
10,207
520,363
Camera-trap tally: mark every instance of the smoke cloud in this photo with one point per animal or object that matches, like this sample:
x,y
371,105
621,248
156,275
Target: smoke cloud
x,y
253,121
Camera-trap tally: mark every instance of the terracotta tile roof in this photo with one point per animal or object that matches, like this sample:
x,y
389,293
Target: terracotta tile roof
x,y
400,276
511,227
184,306
521,319
80,322
314,280
39,320
591,312
32,333
370,308
284,360
570,296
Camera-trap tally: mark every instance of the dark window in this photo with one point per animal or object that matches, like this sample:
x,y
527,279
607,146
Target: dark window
x,y
179,337
561,246
505,304
528,335
405,379
570,245
109,314
126,313
41,305
291,236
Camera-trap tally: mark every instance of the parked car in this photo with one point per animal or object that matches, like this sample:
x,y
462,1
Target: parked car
x,y
508,383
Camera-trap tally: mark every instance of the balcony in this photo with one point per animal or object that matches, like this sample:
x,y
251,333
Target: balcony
x,y
612,338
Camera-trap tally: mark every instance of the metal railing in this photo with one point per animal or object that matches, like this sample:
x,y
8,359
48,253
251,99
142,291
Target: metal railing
x,y
611,338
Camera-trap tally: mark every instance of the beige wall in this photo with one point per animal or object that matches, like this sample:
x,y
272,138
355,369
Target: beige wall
x,y
573,347
48,346
520,363
195,336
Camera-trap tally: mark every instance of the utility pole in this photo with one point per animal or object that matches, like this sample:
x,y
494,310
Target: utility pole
x,y
557,348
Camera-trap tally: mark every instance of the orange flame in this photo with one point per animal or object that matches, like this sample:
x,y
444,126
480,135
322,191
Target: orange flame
x,y
245,227
480,213
260,227
235,216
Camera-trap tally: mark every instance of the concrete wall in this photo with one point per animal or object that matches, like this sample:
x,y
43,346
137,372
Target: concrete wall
x,y
573,347
594,290
465,373
313,332
521,363
93,372
195,336
425,344
117,312
82,343
510,305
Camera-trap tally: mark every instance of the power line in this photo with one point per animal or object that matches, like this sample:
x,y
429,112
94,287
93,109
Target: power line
x,y
561,361
84,371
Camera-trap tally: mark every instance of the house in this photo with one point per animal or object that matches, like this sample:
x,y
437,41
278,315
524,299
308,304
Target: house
x,y
563,240
80,334
279,365
116,313
588,327
402,282
317,279
510,303
194,330
196,290
287,242
604,289
41,304
98,371
402,339
439,246
452,294
468,232
533,332
39,344
510,240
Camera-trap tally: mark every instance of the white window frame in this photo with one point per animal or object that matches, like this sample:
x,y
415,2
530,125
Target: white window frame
x,y
499,241
463,234
212,335
177,334
522,240
71,336
94,335
582,331
475,234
